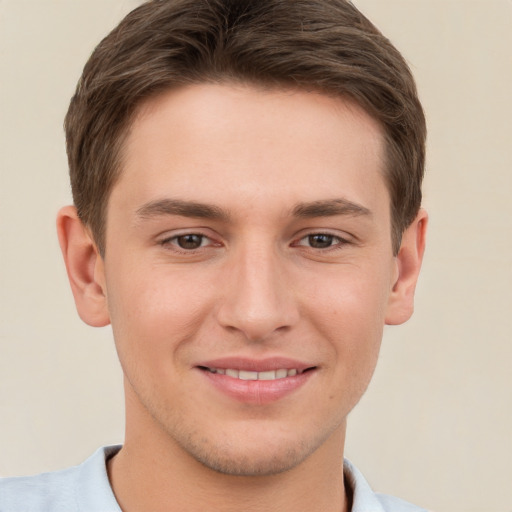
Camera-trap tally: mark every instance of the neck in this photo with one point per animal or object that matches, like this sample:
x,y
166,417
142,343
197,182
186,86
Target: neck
x,y
142,480
152,472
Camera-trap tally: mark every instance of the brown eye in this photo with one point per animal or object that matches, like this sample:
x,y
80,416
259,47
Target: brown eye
x,y
321,241
189,241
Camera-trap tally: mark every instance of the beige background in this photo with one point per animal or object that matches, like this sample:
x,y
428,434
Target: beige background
x,y
435,426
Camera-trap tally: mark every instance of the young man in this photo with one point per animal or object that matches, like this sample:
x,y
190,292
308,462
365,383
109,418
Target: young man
x,y
247,188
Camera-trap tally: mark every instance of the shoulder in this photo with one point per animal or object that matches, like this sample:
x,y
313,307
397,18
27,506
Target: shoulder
x,y
48,491
393,504
68,490
364,499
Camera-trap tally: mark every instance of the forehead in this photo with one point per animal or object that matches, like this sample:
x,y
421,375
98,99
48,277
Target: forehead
x,y
240,110
290,145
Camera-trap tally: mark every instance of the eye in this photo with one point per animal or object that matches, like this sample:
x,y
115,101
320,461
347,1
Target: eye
x,y
321,241
190,241
187,241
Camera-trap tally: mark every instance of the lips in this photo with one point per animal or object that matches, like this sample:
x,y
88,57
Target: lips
x,y
257,381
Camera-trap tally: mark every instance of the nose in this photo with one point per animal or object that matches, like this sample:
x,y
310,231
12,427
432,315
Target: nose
x,y
258,298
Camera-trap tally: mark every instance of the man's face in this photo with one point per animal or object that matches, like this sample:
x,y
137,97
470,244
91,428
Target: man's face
x,y
248,271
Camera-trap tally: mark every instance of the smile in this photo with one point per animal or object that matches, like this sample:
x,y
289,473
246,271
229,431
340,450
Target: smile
x,y
257,381
281,373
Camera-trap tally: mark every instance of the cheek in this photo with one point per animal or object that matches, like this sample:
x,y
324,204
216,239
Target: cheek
x,y
348,311
153,313
349,299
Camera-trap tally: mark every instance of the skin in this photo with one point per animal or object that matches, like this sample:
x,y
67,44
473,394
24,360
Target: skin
x,y
293,260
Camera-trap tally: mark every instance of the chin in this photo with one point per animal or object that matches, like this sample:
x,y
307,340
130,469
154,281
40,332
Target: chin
x,y
235,463
251,455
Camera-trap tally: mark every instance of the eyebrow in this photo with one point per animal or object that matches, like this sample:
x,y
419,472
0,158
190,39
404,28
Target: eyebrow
x,y
193,209
329,208
161,207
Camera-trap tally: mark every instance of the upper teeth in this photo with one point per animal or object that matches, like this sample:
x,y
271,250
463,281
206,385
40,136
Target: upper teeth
x,y
247,375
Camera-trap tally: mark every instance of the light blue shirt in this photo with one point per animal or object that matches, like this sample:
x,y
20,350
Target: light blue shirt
x,y
86,488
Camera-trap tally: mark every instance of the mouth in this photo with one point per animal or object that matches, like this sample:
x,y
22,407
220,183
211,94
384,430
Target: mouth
x,y
268,375
257,382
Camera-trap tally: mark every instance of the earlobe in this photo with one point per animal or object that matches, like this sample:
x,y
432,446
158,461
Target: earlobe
x,y
84,267
410,256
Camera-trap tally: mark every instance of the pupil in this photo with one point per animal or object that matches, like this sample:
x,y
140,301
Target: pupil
x,y
320,241
190,241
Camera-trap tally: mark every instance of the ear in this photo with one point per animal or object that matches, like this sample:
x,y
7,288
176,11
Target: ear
x,y
401,300
85,268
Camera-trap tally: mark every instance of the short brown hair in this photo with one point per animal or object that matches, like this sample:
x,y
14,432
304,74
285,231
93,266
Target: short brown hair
x,y
321,45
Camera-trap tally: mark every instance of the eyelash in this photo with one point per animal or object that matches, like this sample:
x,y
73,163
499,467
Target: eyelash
x,y
336,242
173,241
